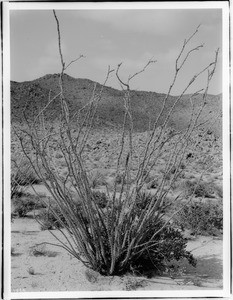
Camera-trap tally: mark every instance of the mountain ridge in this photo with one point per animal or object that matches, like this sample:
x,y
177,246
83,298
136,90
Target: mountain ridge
x,y
146,105
92,81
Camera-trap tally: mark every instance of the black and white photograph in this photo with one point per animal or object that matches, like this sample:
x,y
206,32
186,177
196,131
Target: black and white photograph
x,y
117,181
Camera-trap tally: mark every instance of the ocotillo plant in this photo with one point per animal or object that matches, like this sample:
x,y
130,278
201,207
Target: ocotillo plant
x,y
120,235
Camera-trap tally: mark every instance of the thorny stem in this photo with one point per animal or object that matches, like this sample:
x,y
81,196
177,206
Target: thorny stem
x,y
59,41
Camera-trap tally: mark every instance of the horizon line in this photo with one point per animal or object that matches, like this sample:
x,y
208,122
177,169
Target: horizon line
x,y
136,90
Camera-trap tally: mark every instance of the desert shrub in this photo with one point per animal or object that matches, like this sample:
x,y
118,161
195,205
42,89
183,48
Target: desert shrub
x,y
49,220
204,218
200,189
24,174
120,179
53,217
26,177
96,179
24,204
169,245
163,248
16,190
143,199
127,234
100,198
173,173
22,207
40,250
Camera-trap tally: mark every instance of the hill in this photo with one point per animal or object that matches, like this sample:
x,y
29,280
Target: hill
x,y
30,96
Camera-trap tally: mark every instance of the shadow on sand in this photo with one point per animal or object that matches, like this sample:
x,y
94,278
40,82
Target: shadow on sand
x,y
209,267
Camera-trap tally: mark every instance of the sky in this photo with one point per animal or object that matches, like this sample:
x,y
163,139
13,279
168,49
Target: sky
x,y
112,36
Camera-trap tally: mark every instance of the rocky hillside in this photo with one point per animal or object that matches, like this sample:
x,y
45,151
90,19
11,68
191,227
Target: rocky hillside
x,y
30,96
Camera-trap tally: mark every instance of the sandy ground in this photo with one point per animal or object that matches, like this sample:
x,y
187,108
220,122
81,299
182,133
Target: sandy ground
x,y
57,270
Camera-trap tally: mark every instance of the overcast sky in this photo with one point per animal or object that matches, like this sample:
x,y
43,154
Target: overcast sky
x,y
109,37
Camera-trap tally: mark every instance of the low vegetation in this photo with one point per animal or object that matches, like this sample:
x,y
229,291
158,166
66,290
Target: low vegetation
x,y
40,250
199,189
22,175
96,179
24,203
201,217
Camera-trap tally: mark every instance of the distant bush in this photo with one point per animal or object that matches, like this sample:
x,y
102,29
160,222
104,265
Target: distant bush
x,y
40,250
53,218
24,174
200,189
24,204
96,179
26,178
143,199
204,218
120,179
100,199
16,190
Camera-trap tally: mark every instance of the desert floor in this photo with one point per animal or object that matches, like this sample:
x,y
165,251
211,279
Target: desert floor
x,y
57,270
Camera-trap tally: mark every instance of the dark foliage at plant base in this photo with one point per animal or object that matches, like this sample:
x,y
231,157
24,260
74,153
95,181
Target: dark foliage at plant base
x,y
167,246
143,199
